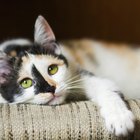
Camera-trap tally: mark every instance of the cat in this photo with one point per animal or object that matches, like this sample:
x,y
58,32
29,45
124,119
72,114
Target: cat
x,y
46,72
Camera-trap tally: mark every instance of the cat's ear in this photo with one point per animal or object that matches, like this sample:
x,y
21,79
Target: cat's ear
x,y
43,32
6,69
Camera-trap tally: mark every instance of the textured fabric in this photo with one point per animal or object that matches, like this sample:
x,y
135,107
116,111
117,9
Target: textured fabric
x,y
75,121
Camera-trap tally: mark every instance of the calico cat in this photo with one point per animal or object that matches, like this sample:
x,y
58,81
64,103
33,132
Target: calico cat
x,y
45,72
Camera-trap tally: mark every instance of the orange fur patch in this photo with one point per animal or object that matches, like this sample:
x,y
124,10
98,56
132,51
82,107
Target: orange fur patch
x,y
80,49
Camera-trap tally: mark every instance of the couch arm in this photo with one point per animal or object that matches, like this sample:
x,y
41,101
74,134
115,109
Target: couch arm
x,y
75,121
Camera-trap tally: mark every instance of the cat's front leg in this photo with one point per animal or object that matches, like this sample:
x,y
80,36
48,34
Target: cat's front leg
x,y
118,118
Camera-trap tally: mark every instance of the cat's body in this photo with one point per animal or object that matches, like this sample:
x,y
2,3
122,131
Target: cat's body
x,y
117,62
48,73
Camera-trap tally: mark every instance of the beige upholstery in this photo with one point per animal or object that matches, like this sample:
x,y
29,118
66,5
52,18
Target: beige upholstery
x,y
75,121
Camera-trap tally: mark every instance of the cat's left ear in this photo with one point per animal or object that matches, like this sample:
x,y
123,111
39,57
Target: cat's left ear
x,y
6,69
43,32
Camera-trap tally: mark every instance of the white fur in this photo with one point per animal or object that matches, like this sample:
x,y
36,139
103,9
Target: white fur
x,y
118,118
19,41
38,99
27,95
121,69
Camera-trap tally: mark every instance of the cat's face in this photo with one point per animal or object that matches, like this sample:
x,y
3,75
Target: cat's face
x,y
42,79
39,75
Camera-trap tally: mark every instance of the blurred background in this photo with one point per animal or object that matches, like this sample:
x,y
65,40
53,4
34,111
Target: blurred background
x,y
117,21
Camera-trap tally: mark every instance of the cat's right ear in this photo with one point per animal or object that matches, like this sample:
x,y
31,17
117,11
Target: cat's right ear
x,y
43,32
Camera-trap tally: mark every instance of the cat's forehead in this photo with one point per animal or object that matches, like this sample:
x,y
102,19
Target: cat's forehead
x,y
41,59
41,62
48,48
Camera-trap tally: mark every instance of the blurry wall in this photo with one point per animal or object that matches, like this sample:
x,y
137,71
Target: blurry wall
x,y
117,20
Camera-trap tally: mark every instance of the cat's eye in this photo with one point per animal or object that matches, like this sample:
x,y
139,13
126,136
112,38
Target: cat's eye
x,y
52,69
26,83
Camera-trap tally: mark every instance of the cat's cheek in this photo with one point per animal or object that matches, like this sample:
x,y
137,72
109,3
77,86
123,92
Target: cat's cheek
x,y
60,76
25,96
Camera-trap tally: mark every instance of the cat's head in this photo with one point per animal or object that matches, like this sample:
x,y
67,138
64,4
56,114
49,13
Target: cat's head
x,y
39,74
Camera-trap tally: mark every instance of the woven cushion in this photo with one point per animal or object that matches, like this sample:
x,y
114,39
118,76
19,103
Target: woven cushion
x,y
75,121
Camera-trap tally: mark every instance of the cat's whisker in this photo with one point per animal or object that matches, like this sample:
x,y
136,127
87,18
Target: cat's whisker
x,y
77,82
74,82
75,78
72,86
63,87
75,87
71,78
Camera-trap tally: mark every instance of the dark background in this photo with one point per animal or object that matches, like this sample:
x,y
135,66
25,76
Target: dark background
x,y
111,20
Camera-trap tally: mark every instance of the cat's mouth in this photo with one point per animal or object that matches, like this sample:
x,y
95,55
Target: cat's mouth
x,y
54,100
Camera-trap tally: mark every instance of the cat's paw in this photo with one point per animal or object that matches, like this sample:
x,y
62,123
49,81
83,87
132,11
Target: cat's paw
x,y
119,122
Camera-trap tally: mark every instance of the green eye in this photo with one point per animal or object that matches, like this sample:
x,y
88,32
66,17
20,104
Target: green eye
x,y
26,83
52,69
